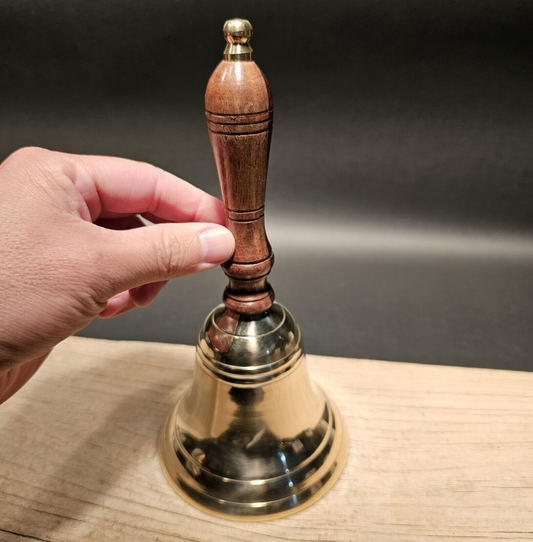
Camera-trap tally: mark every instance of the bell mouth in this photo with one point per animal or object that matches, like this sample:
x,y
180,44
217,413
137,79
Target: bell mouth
x,y
253,441
255,499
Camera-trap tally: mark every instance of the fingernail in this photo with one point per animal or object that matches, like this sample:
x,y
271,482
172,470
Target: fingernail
x,y
114,305
217,245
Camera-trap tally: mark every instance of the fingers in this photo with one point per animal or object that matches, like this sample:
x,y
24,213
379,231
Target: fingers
x,y
124,260
136,297
116,186
143,295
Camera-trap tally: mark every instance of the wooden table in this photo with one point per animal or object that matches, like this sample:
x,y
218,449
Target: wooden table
x,y
436,453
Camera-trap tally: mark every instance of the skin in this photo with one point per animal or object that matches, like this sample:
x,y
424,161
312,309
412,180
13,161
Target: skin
x,y
73,249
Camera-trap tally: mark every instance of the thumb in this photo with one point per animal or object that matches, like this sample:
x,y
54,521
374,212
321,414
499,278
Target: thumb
x,y
131,258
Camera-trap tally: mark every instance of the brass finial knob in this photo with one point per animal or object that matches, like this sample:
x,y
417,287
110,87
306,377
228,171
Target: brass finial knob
x,y
238,33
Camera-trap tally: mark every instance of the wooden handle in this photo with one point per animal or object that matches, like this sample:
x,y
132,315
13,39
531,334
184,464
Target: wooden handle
x,y
239,112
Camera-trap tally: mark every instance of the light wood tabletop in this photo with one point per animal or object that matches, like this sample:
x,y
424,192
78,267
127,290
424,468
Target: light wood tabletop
x,y
436,453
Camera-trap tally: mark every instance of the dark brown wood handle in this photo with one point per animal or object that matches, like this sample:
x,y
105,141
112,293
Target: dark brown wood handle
x,y
239,112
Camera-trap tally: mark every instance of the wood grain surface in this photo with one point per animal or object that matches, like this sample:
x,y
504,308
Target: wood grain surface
x,y
436,453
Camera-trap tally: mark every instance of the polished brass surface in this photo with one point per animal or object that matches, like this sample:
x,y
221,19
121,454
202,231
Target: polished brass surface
x,y
238,33
254,437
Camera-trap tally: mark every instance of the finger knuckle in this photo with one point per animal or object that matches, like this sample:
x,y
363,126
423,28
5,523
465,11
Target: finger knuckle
x,y
27,153
172,254
167,254
30,161
89,303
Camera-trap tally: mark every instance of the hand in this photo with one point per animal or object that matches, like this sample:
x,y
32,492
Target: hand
x,y
72,249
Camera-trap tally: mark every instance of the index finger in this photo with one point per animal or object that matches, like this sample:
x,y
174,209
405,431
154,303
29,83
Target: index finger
x,y
116,186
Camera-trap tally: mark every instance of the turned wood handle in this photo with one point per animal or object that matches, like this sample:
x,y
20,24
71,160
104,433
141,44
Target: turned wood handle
x,y
238,105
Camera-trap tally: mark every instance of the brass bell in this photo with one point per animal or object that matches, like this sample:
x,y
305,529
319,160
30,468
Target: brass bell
x,y
254,437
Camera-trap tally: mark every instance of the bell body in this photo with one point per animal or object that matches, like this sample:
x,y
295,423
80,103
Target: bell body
x,y
253,437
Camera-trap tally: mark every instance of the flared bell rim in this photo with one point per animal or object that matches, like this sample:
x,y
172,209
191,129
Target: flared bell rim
x,y
295,499
253,438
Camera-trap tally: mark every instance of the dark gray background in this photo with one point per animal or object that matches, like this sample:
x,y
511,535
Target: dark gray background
x,y
400,190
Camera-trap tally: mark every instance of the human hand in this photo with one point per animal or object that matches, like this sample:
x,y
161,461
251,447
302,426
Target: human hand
x,y
72,249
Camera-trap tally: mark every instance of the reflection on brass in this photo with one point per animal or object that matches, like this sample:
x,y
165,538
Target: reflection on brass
x,y
238,33
254,437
